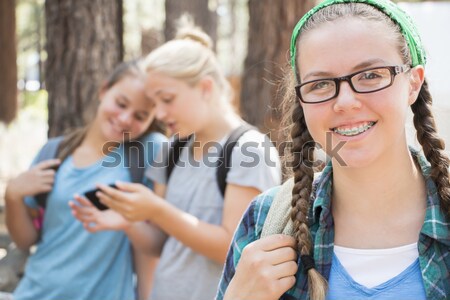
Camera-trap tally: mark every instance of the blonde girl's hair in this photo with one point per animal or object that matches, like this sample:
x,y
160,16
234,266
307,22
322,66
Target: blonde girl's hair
x,y
189,58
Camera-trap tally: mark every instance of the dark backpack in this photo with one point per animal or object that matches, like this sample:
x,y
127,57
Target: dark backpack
x,y
134,154
223,164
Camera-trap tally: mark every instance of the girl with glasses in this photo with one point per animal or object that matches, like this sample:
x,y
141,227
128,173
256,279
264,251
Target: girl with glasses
x,y
374,224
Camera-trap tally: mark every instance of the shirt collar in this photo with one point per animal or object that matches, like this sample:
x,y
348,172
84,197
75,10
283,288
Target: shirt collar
x,y
321,194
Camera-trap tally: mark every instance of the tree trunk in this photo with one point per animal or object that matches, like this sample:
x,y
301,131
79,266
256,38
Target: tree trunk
x,y
198,9
8,66
270,27
84,44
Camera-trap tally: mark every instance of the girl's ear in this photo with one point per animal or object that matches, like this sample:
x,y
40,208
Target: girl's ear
x,y
416,80
206,85
102,91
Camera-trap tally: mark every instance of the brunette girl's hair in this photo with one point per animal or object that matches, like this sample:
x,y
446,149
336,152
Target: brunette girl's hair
x,y
74,138
302,142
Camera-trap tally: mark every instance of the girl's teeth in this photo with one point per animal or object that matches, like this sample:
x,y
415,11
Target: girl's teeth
x,y
354,130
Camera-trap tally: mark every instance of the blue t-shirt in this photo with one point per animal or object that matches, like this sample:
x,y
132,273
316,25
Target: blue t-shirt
x,y
406,285
71,263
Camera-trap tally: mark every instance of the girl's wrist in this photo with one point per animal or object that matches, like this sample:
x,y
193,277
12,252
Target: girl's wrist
x,y
12,193
128,228
158,210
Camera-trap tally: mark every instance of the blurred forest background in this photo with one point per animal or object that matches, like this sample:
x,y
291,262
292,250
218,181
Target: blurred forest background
x,y
53,54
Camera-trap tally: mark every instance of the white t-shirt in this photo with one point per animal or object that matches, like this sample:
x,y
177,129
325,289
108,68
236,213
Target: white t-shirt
x,y
181,272
383,264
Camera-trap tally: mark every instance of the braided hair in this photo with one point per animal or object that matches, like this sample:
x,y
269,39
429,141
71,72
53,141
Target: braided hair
x,y
296,131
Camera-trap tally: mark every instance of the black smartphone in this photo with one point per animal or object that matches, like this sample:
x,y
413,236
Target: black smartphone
x,y
91,196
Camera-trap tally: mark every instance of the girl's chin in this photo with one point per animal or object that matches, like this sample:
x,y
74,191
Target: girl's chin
x,y
353,160
181,134
114,136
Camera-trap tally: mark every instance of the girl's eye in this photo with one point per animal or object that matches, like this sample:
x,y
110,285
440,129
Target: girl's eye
x,y
167,100
120,104
140,118
320,85
370,76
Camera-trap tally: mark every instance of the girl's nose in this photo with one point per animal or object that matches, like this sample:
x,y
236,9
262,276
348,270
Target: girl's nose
x,y
125,118
160,113
347,99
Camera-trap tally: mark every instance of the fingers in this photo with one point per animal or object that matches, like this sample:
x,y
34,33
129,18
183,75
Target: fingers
x,y
82,214
273,242
285,269
47,173
115,203
286,283
46,187
47,178
110,191
281,255
274,254
47,164
84,201
91,227
266,270
129,187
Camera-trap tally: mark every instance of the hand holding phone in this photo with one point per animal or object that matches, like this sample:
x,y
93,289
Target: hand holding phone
x,y
92,196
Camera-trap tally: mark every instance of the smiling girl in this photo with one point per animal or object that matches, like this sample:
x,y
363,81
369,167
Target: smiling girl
x,y
374,224
69,262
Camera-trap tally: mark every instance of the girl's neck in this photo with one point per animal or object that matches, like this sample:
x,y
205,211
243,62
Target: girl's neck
x,y
91,148
387,196
94,139
217,128
219,125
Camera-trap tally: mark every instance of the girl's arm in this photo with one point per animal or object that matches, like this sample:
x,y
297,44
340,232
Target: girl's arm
x,y
146,237
136,202
19,221
144,267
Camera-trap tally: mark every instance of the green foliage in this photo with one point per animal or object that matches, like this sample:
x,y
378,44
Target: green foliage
x,y
34,102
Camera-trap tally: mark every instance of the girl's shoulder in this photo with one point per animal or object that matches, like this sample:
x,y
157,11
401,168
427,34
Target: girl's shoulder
x,y
253,135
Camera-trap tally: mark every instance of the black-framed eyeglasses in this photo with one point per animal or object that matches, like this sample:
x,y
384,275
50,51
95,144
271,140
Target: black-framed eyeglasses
x,y
364,81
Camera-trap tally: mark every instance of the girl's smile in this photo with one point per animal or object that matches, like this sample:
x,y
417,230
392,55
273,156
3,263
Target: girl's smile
x,y
371,124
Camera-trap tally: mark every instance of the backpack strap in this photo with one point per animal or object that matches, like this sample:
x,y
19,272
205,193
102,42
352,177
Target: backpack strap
x,y
48,151
278,218
135,159
174,154
224,161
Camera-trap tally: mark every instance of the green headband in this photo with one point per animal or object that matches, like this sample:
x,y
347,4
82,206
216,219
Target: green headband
x,y
394,12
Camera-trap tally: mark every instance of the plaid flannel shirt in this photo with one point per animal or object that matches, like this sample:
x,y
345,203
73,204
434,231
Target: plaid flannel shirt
x,y
433,244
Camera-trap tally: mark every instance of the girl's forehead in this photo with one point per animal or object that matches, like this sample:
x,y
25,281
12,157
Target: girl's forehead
x,y
343,44
157,81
